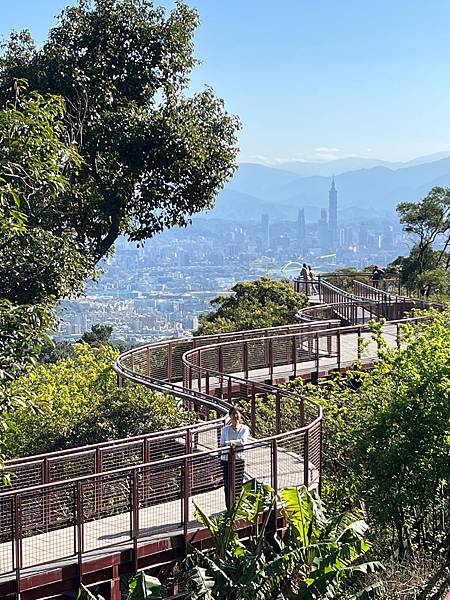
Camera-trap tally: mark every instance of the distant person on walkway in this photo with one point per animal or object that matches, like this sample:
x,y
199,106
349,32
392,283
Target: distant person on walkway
x,y
376,276
312,276
235,435
304,277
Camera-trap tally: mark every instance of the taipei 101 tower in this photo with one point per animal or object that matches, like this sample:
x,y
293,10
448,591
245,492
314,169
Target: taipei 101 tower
x,y
332,216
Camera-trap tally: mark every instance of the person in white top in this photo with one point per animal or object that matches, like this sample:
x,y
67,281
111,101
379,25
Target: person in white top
x,y
235,434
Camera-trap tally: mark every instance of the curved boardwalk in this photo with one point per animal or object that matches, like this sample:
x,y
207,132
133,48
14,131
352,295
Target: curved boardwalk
x,y
88,514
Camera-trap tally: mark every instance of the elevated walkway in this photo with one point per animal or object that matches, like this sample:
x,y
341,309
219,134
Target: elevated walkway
x,y
88,514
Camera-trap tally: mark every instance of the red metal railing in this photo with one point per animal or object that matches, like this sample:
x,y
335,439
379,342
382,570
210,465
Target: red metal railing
x,y
73,504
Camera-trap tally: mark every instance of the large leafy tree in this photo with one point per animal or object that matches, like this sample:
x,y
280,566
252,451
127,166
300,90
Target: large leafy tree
x,y
255,304
152,156
33,159
36,157
428,222
32,162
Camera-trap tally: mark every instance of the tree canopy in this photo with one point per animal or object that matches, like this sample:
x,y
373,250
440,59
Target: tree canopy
x,y
151,155
253,305
33,158
428,221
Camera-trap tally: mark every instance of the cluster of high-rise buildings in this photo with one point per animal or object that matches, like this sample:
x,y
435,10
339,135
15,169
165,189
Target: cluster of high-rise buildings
x,y
161,289
326,236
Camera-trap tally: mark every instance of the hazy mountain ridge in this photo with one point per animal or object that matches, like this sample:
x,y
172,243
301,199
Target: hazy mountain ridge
x,y
257,189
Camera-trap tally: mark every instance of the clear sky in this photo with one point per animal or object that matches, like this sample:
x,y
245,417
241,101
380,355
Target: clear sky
x,y
315,79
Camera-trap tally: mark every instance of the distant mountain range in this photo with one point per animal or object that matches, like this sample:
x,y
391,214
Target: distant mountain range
x,y
366,188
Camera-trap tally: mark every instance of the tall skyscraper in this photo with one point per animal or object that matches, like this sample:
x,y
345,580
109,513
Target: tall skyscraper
x,y
332,216
265,233
301,230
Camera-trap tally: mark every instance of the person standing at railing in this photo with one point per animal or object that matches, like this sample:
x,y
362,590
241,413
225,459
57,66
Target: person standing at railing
x,y
376,276
234,435
311,276
304,278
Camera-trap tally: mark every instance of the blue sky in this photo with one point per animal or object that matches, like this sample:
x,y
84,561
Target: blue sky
x,y
315,79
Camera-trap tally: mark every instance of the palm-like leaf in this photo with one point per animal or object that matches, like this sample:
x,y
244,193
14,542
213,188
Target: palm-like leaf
x,y
144,587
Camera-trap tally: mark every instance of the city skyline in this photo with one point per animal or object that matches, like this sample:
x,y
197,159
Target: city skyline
x,y
314,81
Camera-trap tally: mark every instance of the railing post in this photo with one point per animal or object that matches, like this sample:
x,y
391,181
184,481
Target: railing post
x,y
18,540
302,412
274,453
245,360
99,487
294,355
149,362
135,517
207,383
270,359
232,474
277,412
338,348
80,528
199,367
169,362
187,484
46,508
185,503
320,457
253,411
220,359
306,459
190,377
317,355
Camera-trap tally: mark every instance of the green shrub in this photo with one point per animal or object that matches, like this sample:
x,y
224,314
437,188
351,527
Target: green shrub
x,y
77,402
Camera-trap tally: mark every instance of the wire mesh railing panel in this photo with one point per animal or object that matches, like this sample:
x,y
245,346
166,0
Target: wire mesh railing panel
x,y
292,412
206,485
167,446
257,459
210,359
6,534
206,438
282,350
160,498
47,520
68,467
140,362
125,455
257,354
25,475
106,510
159,362
233,358
311,412
177,353
291,460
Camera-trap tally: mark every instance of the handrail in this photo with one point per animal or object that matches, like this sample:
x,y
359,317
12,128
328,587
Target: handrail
x,y
206,374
